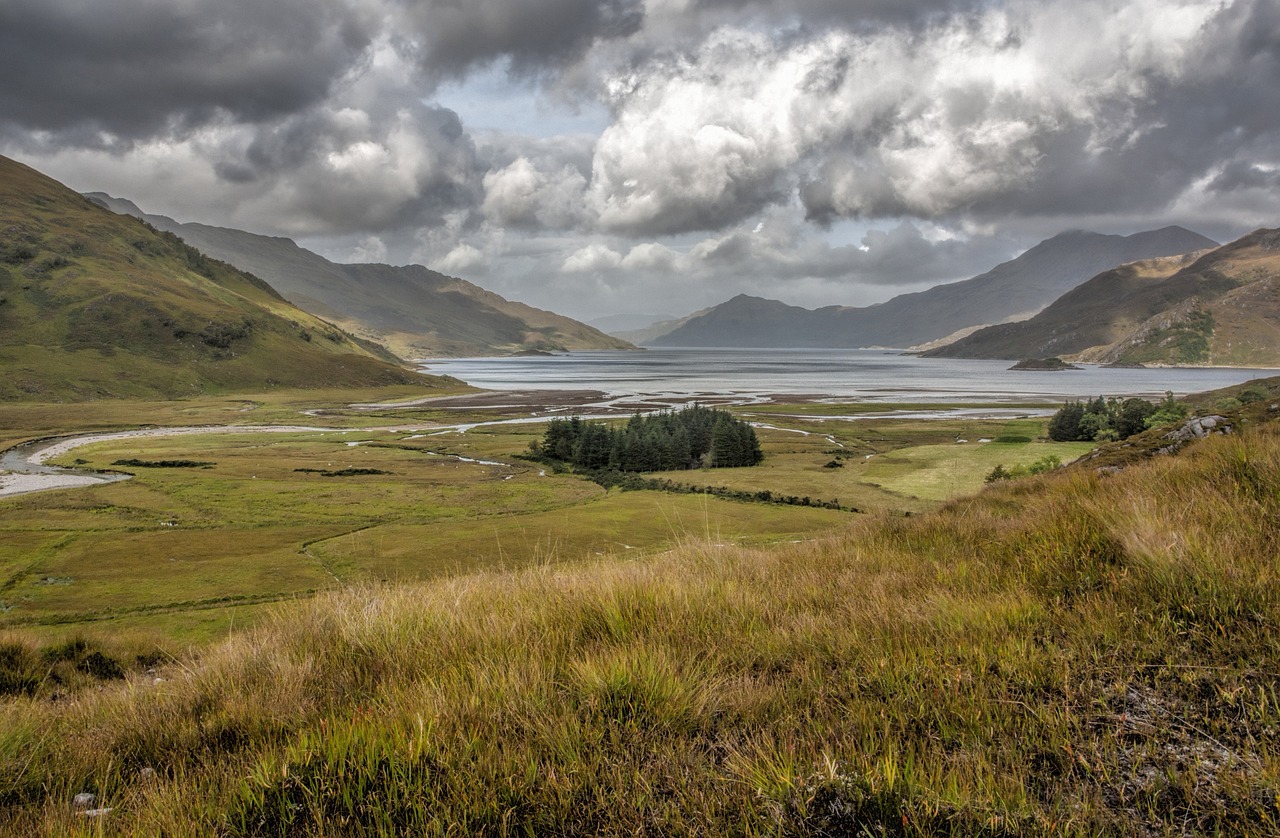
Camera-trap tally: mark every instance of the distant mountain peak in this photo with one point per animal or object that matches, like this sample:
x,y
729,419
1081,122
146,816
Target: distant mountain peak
x,y
1016,288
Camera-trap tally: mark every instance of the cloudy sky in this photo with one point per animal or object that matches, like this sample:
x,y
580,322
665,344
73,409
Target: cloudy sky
x,y
657,156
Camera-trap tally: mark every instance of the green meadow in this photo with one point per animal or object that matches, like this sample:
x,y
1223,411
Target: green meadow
x,y
909,465
182,554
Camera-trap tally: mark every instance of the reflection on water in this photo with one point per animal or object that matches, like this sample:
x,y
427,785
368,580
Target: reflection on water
x,y
874,375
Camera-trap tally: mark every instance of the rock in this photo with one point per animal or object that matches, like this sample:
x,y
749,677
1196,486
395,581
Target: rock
x,y
1107,471
83,800
146,774
96,813
1200,427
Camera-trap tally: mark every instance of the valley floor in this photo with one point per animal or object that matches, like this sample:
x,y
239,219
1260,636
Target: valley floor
x,y
1082,652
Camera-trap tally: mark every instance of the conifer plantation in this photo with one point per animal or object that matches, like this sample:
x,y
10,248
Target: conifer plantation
x,y
695,437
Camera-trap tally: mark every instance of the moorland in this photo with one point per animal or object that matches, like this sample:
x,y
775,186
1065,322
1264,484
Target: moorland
x,y
395,623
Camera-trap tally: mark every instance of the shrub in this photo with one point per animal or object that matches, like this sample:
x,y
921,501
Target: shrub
x,y
1168,412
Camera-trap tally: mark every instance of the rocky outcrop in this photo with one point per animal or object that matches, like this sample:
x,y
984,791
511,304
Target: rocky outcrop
x,y
1195,428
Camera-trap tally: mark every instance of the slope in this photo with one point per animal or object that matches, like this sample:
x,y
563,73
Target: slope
x,y
415,311
1220,307
94,304
1079,653
1012,289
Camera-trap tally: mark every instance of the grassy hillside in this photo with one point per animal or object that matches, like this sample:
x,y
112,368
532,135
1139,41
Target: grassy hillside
x,y
1239,327
415,311
1100,311
1073,654
93,304
1220,307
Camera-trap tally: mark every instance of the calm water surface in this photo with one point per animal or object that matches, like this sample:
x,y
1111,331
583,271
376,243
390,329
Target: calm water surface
x,y
849,374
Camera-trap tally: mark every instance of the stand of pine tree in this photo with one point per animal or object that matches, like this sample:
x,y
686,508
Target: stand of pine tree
x,y
695,437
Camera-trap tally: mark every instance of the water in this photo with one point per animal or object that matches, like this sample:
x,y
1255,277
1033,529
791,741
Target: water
x,y
873,375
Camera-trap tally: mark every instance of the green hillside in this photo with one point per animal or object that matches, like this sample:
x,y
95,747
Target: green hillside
x,y
413,310
95,304
1220,307
1238,327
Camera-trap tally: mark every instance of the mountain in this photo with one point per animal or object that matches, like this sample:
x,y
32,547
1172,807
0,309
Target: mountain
x,y
1221,307
651,333
619,325
414,311
1014,289
95,304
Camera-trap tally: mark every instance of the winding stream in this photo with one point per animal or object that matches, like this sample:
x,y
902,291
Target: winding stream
x,y
25,469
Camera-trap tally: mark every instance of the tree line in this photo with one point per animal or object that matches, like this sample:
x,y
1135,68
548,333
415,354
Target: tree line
x,y
694,437
1102,419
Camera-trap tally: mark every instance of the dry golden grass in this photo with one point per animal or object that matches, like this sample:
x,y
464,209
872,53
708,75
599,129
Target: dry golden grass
x,y
1068,654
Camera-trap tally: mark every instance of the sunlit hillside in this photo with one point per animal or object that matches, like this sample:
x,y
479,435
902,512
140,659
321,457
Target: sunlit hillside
x,y
96,305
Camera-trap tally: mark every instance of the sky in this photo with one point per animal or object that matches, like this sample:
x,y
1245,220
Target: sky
x,y
652,157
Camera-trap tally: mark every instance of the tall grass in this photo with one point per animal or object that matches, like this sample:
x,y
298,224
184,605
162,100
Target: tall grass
x,y
1068,654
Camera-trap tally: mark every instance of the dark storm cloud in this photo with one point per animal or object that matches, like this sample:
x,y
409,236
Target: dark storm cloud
x,y
745,139
853,13
397,164
1237,176
140,68
452,36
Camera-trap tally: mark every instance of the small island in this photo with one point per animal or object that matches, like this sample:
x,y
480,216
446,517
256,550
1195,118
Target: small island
x,y
1043,365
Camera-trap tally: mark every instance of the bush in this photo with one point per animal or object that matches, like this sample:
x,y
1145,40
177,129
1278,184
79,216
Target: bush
x,y
1168,412
1046,463
1065,424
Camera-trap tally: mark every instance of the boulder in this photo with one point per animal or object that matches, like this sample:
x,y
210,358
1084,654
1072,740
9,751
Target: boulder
x,y
1200,427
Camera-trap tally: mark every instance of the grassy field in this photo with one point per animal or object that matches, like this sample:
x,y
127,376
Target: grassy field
x,y
180,555
1070,654
282,515
907,465
20,421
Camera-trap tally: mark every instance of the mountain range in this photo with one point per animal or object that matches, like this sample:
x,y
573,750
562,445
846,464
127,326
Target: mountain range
x,y
1219,307
412,310
1015,289
95,304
